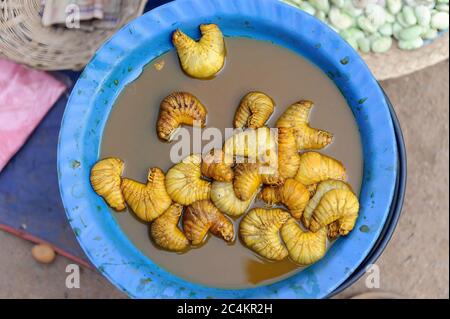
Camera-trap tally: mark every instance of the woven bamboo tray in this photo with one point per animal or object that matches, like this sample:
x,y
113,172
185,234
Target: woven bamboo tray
x,y
24,39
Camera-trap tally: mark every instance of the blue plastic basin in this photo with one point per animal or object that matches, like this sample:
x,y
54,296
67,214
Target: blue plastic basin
x,y
121,60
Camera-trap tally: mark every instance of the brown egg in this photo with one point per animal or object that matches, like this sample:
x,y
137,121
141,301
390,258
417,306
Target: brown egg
x,y
43,253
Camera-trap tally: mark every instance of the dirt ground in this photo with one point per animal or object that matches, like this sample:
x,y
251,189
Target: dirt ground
x,y
414,265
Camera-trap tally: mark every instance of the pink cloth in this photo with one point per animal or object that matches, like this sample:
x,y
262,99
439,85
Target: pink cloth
x,y
26,95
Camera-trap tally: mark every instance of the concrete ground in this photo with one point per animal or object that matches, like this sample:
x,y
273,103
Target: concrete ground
x,y
414,265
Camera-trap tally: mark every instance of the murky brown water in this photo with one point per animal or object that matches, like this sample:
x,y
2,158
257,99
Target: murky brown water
x,y
130,134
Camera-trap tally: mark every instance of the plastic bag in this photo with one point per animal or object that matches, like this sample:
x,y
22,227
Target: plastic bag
x,y
26,95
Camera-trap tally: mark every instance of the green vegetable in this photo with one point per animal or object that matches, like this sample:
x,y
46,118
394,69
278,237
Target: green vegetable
x,y
371,25
440,21
382,44
410,44
411,33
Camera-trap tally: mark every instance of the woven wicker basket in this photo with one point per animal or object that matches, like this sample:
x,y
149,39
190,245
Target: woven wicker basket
x,y
24,39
